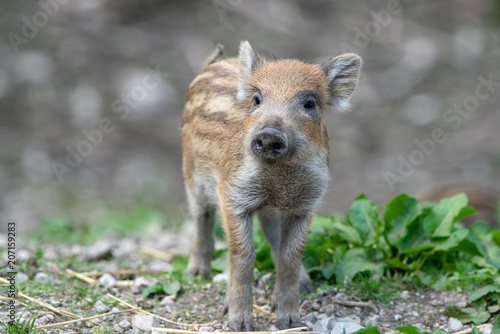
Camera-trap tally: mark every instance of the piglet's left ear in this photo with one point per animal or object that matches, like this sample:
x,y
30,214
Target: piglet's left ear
x,y
342,74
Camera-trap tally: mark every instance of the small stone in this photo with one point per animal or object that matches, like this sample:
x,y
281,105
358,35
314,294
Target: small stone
x,y
101,307
115,309
405,295
398,317
43,278
346,327
100,250
308,324
21,278
125,324
107,280
315,306
118,329
487,329
324,325
454,325
273,328
142,282
143,323
373,320
221,278
206,329
166,301
311,317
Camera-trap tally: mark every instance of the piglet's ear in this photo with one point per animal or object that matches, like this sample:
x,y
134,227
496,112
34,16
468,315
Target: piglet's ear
x,y
249,60
342,75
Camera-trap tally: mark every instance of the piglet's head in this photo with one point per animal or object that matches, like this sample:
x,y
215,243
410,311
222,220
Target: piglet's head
x,y
286,101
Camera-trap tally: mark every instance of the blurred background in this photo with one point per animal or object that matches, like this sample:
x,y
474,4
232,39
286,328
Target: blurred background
x,y
92,93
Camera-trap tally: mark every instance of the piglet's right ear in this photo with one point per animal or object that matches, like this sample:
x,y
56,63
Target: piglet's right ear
x,y
249,60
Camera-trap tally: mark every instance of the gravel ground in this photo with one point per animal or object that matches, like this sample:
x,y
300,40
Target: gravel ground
x,y
199,301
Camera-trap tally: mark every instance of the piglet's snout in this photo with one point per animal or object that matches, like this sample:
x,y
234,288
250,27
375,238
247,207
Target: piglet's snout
x,y
270,144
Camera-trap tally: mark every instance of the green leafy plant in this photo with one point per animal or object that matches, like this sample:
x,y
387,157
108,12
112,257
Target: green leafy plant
x,y
419,243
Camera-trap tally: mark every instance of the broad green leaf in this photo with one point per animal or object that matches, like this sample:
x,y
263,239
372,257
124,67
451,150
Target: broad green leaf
x,y
348,233
395,263
496,326
151,290
439,221
355,260
494,309
172,288
416,239
410,330
221,261
465,212
371,330
495,236
481,230
472,246
452,241
475,330
400,212
328,269
363,216
481,292
180,264
475,316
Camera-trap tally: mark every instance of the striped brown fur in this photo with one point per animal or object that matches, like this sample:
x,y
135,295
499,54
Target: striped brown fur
x,y
254,142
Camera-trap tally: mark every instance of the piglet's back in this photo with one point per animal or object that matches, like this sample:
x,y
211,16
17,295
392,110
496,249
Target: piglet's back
x,y
213,119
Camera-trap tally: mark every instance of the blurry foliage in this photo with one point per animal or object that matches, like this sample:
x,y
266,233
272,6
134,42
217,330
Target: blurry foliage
x,y
120,224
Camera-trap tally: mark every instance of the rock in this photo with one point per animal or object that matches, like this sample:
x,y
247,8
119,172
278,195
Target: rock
x,y
454,325
206,329
324,325
115,309
308,324
118,329
100,250
43,278
273,328
143,323
345,326
311,317
101,307
315,306
107,280
398,317
166,301
21,278
221,278
487,329
125,324
405,295
373,320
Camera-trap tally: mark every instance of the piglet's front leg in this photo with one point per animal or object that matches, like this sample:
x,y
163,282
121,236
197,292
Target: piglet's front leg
x,y
239,297
293,235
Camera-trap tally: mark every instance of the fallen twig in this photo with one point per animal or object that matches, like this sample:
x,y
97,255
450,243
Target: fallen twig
x,y
64,323
353,303
163,255
180,331
180,324
122,272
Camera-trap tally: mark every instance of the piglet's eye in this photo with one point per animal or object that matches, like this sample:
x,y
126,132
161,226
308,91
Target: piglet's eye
x,y
256,99
309,104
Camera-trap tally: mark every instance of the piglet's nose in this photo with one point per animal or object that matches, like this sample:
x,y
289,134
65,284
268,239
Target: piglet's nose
x,y
269,144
